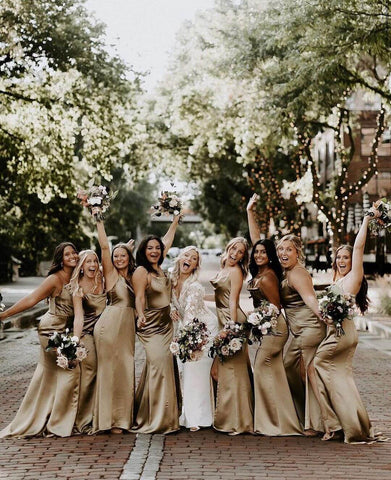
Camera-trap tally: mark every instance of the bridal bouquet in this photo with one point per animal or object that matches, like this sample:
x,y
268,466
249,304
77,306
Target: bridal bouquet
x,y
96,196
228,341
190,342
169,203
337,306
383,222
69,351
263,321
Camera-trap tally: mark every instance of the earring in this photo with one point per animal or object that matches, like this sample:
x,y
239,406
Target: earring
x,y
82,271
61,264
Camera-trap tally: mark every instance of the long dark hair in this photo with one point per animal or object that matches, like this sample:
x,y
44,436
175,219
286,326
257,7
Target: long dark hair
x,y
58,257
362,300
271,252
132,265
141,258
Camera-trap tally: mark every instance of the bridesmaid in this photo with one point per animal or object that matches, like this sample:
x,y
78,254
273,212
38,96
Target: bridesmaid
x,y
234,397
89,301
340,400
188,302
158,392
114,336
50,404
308,330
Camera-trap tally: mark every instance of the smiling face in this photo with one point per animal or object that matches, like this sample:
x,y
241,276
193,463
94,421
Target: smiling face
x,y
90,266
153,252
70,257
120,258
188,262
287,254
235,254
343,262
260,256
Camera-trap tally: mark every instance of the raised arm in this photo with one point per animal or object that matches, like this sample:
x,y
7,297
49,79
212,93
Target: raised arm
x,y
236,277
140,283
109,271
301,281
47,288
168,238
255,233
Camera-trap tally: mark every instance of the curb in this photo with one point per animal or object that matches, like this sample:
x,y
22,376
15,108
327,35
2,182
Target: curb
x,y
373,326
27,319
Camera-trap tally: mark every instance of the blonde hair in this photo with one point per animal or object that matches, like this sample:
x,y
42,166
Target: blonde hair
x,y
297,244
243,264
176,270
77,273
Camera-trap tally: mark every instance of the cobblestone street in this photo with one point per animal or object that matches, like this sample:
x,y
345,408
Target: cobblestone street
x,y
201,455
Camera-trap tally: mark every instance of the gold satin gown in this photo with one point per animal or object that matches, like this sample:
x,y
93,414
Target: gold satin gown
x,y
234,406
307,333
341,404
274,411
158,392
114,336
50,403
93,306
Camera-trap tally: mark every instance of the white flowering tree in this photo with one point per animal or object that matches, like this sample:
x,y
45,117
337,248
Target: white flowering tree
x,y
253,82
67,114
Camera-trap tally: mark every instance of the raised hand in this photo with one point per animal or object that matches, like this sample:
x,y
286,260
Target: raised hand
x,y
252,202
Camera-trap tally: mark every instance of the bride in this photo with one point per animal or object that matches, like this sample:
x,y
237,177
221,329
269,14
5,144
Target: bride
x,y
187,304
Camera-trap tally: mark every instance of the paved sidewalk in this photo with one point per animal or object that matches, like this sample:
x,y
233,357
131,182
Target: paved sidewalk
x,y
190,456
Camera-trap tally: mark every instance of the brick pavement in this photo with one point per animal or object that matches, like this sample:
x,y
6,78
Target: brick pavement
x,y
190,456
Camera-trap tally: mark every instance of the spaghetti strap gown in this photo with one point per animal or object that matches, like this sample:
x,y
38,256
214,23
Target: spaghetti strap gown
x,y
307,333
93,306
274,411
197,408
114,336
341,404
50,404
158,392
234,394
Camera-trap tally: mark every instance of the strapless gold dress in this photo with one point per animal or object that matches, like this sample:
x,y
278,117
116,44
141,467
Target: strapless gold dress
x,y
274,411
341,404
307,333
158,393
50,403
114,336
234,394
93,306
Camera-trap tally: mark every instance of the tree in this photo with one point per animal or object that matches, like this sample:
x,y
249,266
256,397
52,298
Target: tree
x,y
69,113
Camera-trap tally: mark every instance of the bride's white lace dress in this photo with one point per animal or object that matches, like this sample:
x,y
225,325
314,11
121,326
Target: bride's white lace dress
x,y
197,408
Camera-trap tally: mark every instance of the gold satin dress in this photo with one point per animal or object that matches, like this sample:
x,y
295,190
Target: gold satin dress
x,y
341,403
274,411
234,403
50,403
307,333
158,392
114,336
93,306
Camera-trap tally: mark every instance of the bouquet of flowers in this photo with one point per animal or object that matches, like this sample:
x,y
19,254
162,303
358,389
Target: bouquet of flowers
x,y
337,306
169,204
96,196
228,341
263,321
69,351
377,224
189,344
2,306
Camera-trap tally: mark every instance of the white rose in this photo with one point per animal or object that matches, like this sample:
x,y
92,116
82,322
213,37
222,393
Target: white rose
x,y
267,325
174,348
235,344
253,319
225,350
75,339
264,330
95,201
173,203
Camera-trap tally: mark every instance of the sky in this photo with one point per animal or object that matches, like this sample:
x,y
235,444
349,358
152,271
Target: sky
x,y
143,31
